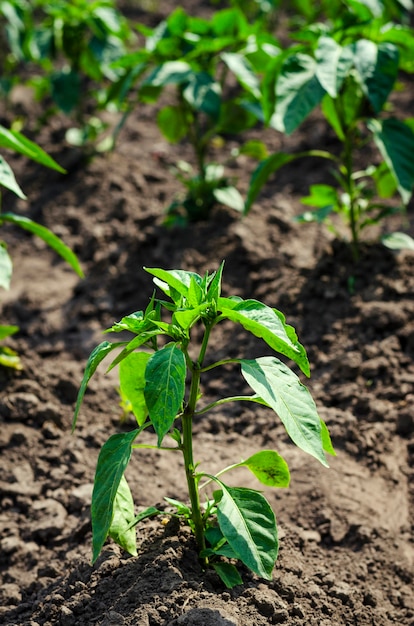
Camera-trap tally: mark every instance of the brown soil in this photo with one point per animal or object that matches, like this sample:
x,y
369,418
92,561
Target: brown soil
x,y
346,543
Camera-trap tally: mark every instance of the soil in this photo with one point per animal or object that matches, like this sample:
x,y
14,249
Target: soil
x,y
346,533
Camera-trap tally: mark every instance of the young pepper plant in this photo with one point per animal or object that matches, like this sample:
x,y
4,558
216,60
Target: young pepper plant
x,y
350,70
212,67
163,384
16,142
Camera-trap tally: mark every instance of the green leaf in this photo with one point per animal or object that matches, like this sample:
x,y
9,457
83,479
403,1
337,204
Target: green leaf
x,y
66,89
8,180
10,358
270,165
331,114
6,267
298,91
269,325
132,383
151,511
48,237
7,331
178,280
395,141
228,574
203,94
333,64
14,140
164,387
123,514
169,73
377,67
326,439
321,196
214,289
96,356
269,468
112,462
244,72
229,196
172,122
398,241
249,525
282,390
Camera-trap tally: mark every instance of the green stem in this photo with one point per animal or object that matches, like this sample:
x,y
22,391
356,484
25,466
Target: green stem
x,y
187,449
350,189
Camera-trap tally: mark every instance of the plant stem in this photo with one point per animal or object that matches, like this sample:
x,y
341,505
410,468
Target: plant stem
x,y
350,189
187,449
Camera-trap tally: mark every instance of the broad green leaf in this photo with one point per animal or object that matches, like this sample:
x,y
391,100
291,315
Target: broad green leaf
x,y
229,196
395,141
264,322
169,73
269,468
179,280
282,390
228,574
249,525
123,514
172,122
112,462
8,180
7,331
6,267
132,383
243,70
298,91
14,140
10,358
377,67
187,317
398,241
164,387
48,237
203,94
195,293
96,356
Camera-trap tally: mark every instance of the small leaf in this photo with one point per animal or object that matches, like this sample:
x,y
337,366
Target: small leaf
x,y
6,267
169,73
228,574
229,196
123,508
8,180
377,67
269,468
7,331
398,241
50,238
249,525
214,289
179,280
172,122
132,383
321,196
10,358
112,462
164,387
326,439
203,94
96,356
273,381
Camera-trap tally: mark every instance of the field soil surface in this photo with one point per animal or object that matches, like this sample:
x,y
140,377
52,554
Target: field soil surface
x,y
346,533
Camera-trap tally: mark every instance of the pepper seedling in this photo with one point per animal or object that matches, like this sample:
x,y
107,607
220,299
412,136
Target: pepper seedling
x,y
161,379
